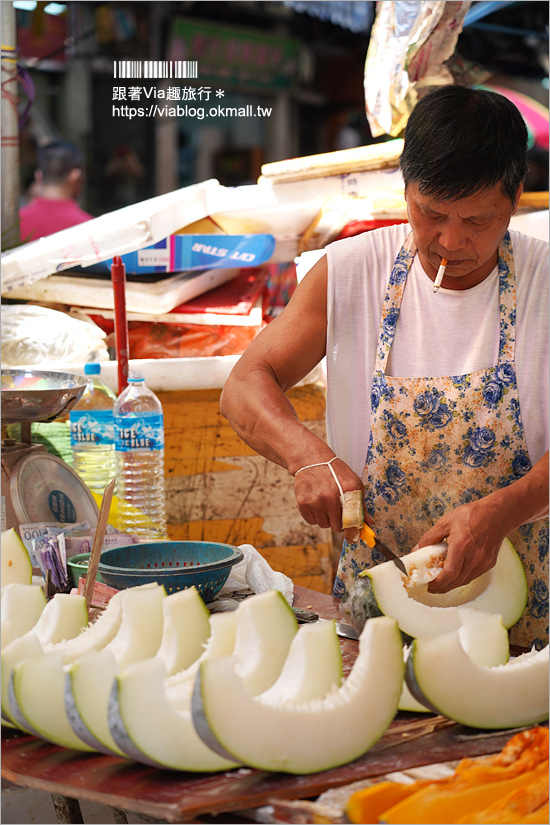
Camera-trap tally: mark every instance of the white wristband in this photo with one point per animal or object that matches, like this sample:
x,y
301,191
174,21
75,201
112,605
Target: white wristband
x,y
325,464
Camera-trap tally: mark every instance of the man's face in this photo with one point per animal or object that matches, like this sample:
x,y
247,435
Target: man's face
x,y
467,232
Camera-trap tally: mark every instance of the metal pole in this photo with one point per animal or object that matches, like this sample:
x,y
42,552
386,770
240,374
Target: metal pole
x,y
10,128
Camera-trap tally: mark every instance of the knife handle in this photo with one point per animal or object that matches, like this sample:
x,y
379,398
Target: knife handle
x,y
367,535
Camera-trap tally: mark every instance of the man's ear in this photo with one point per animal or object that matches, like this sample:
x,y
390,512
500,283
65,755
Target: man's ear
x,y
75,181
518,196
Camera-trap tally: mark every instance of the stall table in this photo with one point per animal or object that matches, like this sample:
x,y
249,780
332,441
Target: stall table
x,y
412,740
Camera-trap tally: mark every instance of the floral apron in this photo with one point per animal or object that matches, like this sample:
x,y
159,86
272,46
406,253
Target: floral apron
x,y
440,442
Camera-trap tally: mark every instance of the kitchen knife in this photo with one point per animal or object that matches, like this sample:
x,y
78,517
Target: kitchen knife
x,y
367,535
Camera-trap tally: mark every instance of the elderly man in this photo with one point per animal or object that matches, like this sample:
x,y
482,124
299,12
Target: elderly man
x,y
437,401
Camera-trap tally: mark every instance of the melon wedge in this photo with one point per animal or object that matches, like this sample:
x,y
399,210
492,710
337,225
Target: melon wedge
x,y
36,696
147,729
22,606
17,651
266,626
221,642
445,678
185,629
63,617
303,737
151,729
312,668
16,567
39,684
140,632
88,682
381,591
483,637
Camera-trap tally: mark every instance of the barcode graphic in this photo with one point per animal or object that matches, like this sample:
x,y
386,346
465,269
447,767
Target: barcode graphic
x,y
139,69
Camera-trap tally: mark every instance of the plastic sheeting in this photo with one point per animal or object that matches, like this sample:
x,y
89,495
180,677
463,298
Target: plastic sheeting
x,y
410,41
355,15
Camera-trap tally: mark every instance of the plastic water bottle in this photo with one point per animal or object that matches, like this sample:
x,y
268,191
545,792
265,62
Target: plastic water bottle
x,y
139,450
92,432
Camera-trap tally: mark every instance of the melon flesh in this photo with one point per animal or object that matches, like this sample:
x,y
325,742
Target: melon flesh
x,y
22,606
483,637
303,737
16,564
312,668
36,697
146,727
266,626
63,617
382,590
152,729
444,677
185,629
88,682
221,642
17,651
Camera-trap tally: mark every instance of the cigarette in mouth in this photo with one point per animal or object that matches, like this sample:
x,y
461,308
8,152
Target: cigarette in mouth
x,y
440,274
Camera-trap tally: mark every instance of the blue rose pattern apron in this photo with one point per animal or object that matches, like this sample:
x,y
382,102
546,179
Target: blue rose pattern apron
x,y
440,442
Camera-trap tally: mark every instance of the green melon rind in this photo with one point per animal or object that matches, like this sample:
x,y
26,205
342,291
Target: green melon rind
x,y
505,593
441,675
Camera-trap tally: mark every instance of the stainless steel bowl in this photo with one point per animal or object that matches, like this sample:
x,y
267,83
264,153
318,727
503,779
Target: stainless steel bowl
x,y
36,395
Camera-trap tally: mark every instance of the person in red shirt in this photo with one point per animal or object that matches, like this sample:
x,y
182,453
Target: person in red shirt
x,y
59,176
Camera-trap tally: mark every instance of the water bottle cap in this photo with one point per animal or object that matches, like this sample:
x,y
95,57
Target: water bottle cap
x,y
135,375
92,369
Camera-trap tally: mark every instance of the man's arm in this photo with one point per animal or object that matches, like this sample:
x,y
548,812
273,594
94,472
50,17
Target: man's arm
x,y
254,400
475,531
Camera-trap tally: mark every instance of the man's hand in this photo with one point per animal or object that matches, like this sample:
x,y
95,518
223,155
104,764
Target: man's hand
x,y
318,496
475,531
474,534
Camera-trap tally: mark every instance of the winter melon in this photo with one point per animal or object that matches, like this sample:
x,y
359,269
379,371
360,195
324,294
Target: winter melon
x,y
16,565
483,637
446,679
310,736
22,606
152,729
384,590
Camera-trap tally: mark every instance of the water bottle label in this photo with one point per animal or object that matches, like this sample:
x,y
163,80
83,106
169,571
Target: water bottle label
x,y
92,427
143,433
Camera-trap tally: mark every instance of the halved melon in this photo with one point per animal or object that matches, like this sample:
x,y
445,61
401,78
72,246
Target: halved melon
x,y
22,606
483,637
382,590
303,737
445,678
16,565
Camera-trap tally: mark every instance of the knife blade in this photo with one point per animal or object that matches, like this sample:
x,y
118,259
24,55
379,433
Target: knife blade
x,y
368,536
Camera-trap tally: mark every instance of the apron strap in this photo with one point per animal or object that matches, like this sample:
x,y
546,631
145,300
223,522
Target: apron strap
x,y
396,287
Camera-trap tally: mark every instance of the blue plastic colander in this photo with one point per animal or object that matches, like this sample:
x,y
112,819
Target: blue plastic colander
x,y
174,564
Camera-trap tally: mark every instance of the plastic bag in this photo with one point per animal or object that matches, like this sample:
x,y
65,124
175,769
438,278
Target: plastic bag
x,y
254,573
36,335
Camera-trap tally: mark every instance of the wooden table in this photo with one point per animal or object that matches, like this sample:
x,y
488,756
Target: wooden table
x,y
411,741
